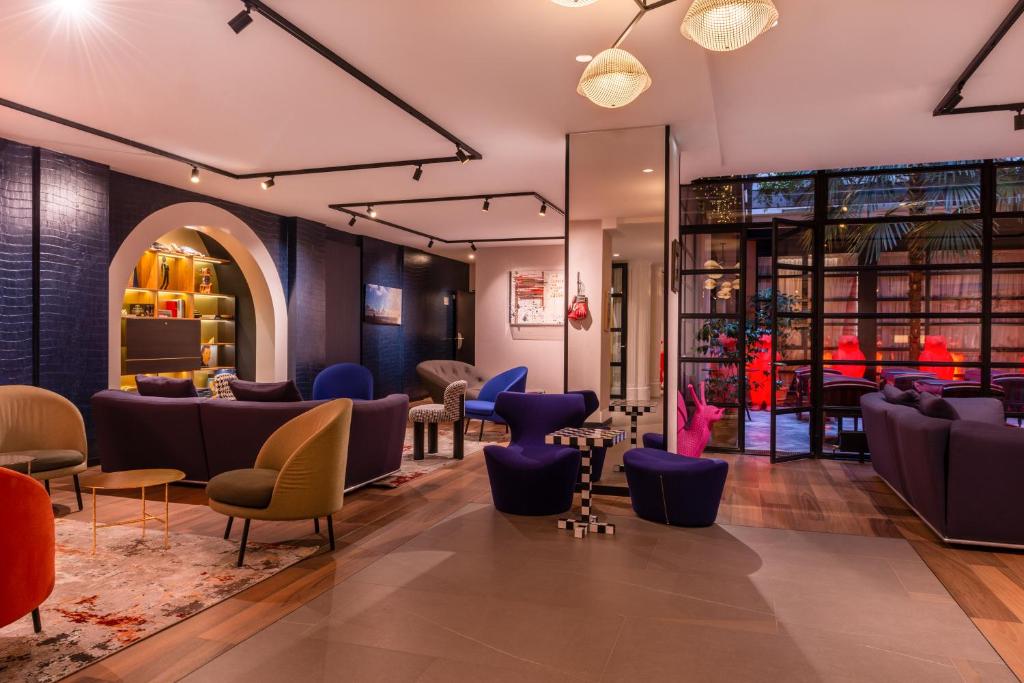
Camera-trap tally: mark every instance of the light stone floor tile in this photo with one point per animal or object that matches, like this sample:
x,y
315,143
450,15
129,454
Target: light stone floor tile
x,y
482,596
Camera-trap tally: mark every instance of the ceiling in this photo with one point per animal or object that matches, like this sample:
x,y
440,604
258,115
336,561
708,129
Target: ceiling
x,y
835,84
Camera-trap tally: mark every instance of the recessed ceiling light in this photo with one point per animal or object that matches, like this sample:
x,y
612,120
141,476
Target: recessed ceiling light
x,y
648,170
583,59
75,8
472,256
616,255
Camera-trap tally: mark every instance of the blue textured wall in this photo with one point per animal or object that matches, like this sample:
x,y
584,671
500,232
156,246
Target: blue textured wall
x,y
383,351
16,354
306,302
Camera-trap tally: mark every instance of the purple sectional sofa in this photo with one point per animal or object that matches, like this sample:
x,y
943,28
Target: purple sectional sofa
x,y
962,477
204,437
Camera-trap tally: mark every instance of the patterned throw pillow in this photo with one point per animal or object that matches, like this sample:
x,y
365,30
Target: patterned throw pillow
x,y
220,386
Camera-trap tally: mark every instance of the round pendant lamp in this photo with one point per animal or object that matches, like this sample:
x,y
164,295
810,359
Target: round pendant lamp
x,y
613,79
723,25
574,3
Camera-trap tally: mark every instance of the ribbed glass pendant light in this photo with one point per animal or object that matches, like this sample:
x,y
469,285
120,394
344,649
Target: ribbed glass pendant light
x,y
723,25
613,79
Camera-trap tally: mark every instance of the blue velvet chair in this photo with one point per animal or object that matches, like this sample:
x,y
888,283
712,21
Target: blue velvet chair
x,y
590,405
674,489
344,380
529,477
482,408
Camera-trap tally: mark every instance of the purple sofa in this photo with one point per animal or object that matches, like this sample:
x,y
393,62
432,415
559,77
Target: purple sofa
x,y
204,437
962,477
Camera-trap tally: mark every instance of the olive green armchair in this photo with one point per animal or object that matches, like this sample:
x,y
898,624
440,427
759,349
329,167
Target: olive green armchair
x,y
299,474
47,428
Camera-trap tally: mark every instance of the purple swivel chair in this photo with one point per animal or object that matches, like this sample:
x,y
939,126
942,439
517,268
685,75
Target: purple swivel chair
x,y
482,407
529,477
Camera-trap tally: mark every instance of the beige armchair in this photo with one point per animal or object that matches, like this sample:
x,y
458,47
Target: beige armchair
x,y
299,474
46,427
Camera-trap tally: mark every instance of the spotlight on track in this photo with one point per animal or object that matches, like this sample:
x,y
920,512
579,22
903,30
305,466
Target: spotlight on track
x,y
352,221
268,183
418,173
487,205
240,21
460,155
371,212
194,177
543,209
430,244
1018,120
472,246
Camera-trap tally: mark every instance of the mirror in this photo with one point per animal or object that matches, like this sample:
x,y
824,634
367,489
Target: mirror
x,y
615,272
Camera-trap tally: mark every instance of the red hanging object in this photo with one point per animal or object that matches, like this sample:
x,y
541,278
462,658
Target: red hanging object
x,y
579,309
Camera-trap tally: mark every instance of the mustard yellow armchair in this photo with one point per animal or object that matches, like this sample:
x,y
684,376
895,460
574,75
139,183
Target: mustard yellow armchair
x,y
46,427
299,474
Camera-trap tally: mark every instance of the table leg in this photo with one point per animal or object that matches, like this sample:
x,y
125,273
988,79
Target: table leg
x,y
632,430
143,495
587,521
167,517
94,521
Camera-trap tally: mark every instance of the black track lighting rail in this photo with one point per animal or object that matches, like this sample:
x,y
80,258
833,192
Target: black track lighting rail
x,y
456,198
954,96
463,152
434,238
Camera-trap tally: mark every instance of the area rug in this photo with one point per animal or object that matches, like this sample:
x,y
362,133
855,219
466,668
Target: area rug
x,y
414,469
130,589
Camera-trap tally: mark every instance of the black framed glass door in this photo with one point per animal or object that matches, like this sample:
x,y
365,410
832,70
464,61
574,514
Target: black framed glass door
x,y
792,352
619,329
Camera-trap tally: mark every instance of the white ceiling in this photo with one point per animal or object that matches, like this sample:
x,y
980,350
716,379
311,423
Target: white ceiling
x,y
835,84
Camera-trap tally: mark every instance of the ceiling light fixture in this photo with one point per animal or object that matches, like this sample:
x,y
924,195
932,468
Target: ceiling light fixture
x,y
616,255
460,155
352,221
724,25
487,204
574,3
240,21
268,183
648,170
371,212
583,59
430,244
194,176
76,8
543,209
418,173
472,246
472,256
614,79
1018,120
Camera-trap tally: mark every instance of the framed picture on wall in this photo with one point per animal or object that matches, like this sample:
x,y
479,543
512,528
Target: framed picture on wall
x,y
536,298
382,305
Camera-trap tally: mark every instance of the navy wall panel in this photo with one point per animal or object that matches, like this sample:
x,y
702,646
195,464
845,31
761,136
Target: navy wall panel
x,y
383,345
73,248
16,352
306,302
343,291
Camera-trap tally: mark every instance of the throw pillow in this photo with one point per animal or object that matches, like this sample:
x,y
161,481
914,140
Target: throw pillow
x,y
900,398
165,387
931,405
278,392
220,386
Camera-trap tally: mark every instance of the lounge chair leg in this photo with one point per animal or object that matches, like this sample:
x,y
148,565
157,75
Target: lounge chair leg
x,y
481,437
465,429
417,441
245,539
227,529
46,483
460,441
316,525
37,623
78,492
432,437
330,530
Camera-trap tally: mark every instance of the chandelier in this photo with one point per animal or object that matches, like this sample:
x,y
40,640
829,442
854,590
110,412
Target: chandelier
x,y
723,25
613,79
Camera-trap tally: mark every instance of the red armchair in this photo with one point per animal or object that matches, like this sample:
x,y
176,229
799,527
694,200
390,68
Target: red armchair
x,y
935,350
26,546
849,349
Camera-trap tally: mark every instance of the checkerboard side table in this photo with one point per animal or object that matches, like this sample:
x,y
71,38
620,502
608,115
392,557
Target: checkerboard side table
x,y
584,440
634,409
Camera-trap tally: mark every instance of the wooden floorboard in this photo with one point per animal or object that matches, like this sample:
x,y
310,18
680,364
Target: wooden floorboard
x,y
818,496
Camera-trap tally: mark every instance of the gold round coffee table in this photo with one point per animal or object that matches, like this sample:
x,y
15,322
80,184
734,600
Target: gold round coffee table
x,y
134,479
9,460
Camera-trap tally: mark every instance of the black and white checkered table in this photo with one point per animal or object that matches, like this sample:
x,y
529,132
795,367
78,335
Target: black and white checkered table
x,y
584,440
634,409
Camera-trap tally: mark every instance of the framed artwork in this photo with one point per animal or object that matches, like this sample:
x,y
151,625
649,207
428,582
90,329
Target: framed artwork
x,y
536,298
382,305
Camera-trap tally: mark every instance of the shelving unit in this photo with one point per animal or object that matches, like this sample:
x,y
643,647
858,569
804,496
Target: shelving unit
x,y
165,292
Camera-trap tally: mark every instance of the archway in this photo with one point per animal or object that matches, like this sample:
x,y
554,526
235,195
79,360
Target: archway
x,y
246,249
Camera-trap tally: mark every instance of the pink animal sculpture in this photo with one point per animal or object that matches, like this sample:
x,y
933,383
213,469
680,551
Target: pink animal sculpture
x,y
692,435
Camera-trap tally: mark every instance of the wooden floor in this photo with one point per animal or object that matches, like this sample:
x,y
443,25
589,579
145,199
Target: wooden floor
x,y
822,496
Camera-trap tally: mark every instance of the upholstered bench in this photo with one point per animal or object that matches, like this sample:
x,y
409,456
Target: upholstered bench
x,y
674,489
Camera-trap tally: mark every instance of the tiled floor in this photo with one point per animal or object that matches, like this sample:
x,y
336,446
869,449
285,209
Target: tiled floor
x,y
482,596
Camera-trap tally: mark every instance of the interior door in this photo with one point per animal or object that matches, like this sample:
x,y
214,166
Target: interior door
x,y
465,327
794,350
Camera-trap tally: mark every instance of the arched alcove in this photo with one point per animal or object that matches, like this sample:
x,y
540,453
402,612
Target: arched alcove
x,y
246,249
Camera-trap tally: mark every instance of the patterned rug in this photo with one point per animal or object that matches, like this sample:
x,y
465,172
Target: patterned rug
x,y
414,469
131,589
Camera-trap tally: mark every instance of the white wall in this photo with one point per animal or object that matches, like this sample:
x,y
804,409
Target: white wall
x,y
500,346
590,255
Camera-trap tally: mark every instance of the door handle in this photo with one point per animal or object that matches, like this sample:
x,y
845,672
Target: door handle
x,y
458,341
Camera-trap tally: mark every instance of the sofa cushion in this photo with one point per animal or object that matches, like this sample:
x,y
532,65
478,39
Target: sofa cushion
x,y
931,405
266,392
900,398
979,409
165,387
47,461
252,488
